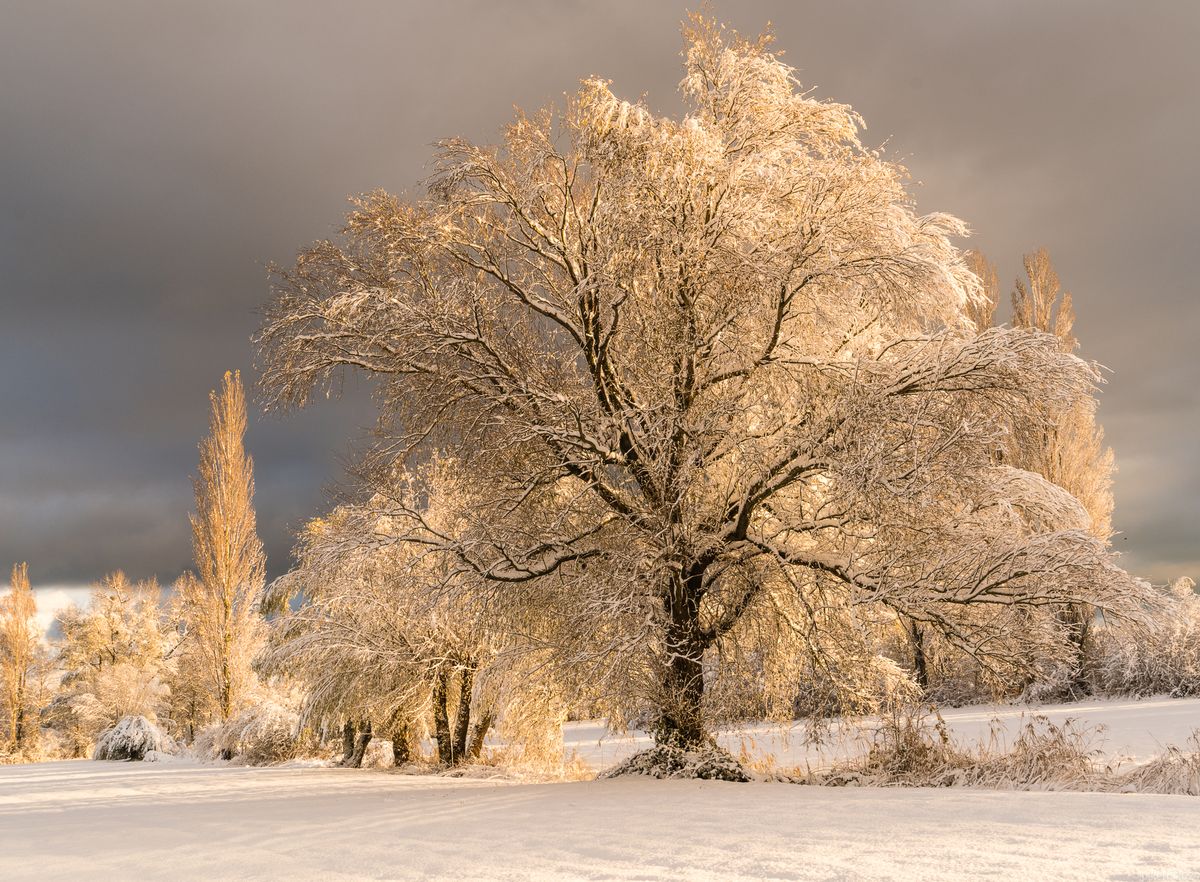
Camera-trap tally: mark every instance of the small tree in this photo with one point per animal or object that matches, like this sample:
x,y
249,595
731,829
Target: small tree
x,y
113,659
219,604
386,637
707,374
21,659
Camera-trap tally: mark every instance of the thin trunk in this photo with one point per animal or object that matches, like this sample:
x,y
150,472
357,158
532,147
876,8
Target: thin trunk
x,y
479,733
920,664
401,753
441,719
347,742
226,668
462,721
360,745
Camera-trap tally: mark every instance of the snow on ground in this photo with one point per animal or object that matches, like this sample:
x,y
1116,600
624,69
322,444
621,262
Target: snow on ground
x,y
1125,730
125,821
182,820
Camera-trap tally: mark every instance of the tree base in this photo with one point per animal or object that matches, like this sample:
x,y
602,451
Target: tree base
x,y
709,763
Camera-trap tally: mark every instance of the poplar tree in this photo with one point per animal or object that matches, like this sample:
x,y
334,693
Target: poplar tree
x,y
21,655
219,603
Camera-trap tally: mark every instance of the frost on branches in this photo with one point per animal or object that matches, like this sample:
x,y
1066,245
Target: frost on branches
x,y
114,659
131,739
717,392
374,645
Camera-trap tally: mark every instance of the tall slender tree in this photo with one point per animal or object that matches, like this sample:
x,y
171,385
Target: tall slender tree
x,y
20,657
219,603
1069,451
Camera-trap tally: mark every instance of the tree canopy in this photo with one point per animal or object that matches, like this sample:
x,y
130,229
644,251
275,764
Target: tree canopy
x,y
717,387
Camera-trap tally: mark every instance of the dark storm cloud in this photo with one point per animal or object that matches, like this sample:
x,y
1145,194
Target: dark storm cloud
x,y
155,156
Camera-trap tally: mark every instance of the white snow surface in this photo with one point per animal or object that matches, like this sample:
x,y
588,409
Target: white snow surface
x,y
1125,730
184,820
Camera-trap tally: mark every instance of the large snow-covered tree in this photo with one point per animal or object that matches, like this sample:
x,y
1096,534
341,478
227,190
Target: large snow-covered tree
x,y
1065,447
713,377
219,606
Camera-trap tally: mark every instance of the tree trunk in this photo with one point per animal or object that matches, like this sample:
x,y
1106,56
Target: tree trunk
x,y
441,719
920,664
1076,617
462,717
226,654
347,742
479,733
18,711
681,715
401,754
360,745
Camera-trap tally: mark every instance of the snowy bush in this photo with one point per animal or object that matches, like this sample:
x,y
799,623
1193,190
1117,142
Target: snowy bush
x,y
262,734
1163,659
1057,685
131,739
668,761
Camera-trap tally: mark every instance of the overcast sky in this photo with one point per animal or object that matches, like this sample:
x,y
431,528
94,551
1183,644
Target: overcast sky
x,y
155,157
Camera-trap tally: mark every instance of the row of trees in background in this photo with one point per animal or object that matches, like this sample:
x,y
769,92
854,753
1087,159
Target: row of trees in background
x,y
681,423
184,659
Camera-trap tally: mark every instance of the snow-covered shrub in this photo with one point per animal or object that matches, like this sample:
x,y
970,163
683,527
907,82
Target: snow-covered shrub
x,y
158,756
204,745
959,686
261,734
668,761
1163,658
1061,683
131,739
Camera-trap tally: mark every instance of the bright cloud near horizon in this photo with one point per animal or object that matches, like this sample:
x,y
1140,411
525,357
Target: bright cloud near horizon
x,y
53,599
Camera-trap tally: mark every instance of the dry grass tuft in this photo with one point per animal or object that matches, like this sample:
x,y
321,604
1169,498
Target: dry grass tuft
x,y
914,748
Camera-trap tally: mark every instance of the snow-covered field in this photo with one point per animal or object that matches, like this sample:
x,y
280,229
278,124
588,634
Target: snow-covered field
x,y
179,820
1125,730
